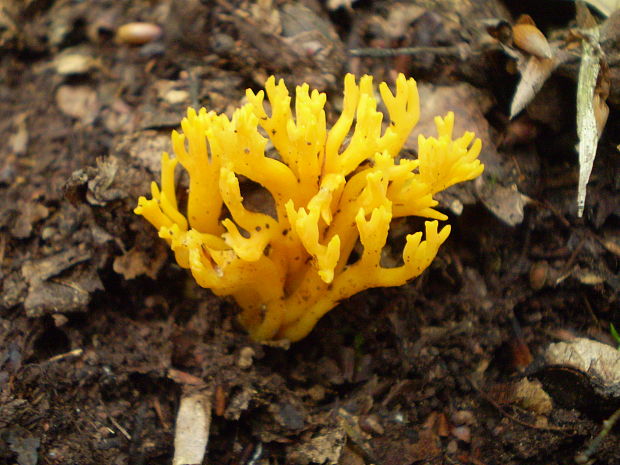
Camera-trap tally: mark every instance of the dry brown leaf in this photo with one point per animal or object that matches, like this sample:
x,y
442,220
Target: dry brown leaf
x,y
138,262
531,396
533,76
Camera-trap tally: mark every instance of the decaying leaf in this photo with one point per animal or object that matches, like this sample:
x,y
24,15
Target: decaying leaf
x,y
606,7
593,88
587,129
535,58
533,75
592,85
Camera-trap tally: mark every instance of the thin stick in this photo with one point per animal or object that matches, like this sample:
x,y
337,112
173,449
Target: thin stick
x,y
584,457
391,52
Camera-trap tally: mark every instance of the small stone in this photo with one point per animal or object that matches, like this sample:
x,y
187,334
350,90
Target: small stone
x,y
246,356
462,433
73,63
59,319
317,392
452,447
175,96
47,233
463,417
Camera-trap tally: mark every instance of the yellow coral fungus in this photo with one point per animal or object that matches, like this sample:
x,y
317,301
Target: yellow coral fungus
x,y
331,189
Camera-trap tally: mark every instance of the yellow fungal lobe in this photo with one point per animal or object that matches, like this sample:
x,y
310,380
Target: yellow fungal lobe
x,y
331,188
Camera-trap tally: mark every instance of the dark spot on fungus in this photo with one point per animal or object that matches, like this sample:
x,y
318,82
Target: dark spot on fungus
x,y
246,150
266,225
273,132
284,232
258,228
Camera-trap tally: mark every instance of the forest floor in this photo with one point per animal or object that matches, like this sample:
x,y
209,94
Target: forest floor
x,y
102,334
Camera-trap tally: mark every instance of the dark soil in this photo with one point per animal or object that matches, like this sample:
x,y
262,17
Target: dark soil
x,y
102,334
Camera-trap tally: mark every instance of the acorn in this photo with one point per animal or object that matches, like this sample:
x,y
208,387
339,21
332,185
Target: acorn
x,y
539,275
527,37
138,33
